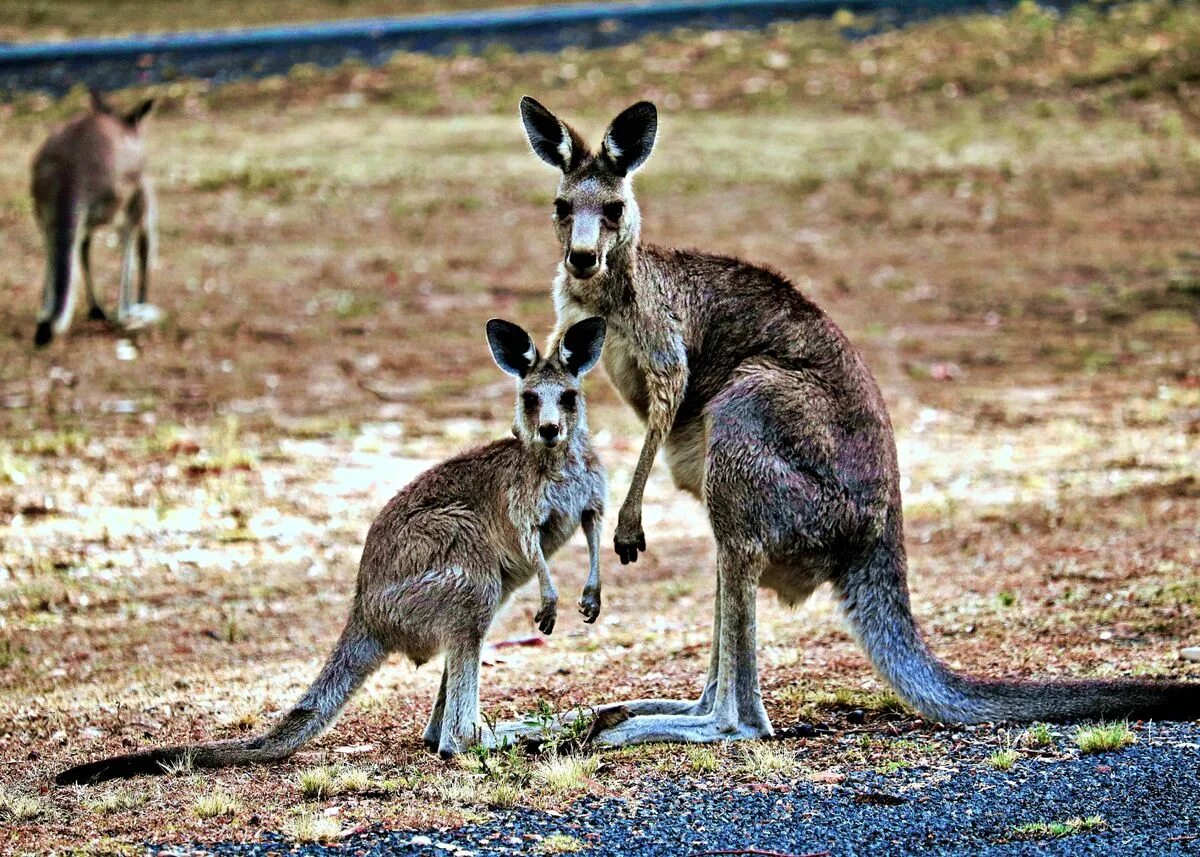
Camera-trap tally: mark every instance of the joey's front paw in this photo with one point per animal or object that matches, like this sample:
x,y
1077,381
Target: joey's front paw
x,y
589,605
547,615
629,538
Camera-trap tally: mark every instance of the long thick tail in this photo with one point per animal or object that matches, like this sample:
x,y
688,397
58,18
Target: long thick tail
x,y
875,600
61,237
355,657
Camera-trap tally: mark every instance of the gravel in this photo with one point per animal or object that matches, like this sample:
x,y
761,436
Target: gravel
x,y
1148,796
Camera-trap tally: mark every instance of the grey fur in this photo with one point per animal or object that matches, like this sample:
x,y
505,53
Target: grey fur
x,y
440,560
88,174
769,415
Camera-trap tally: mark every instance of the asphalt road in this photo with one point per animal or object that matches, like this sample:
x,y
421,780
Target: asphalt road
x,y
1148,796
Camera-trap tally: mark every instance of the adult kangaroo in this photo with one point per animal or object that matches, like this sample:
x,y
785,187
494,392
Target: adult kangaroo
x,y
88,174
770,417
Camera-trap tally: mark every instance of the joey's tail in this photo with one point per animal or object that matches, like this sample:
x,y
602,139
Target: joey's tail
x,y
875,598
355,657
61,237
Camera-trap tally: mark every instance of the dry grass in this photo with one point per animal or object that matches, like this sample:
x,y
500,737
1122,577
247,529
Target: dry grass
x,y
217,803
1013,262
563,774
561,843
116,800
16,808
762,760
306,827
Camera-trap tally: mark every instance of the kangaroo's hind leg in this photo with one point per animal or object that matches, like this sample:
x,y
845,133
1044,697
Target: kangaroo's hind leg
x,y
95,311
433,732
460,717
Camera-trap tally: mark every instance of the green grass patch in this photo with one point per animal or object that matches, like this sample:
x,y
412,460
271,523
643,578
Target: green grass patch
x,y
1104,737
1057,829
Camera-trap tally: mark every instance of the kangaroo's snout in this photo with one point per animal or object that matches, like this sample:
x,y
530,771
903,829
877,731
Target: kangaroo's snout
x,y
582,263
548,432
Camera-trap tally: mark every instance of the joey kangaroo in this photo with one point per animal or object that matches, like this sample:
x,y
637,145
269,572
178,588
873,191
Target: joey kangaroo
x,y
444,555
91,173
771,418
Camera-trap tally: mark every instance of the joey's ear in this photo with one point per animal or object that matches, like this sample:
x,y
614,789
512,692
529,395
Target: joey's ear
x,y
99,102
580,346
630,137
512,348
552,139
135,116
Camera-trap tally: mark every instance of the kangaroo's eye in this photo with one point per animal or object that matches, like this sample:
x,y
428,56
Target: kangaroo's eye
x,y
562,209
529,400
567,400
613,211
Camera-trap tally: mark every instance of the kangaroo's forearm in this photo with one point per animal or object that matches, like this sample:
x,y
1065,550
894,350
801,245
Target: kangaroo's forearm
x,y
666,380
591,529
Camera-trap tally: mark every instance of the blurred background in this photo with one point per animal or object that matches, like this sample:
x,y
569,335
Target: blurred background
x,y
1000,206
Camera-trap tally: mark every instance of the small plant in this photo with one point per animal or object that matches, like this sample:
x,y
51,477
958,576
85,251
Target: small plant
x,y
215,804
701,759
185,764
502,795
311,827
330,780
565,773
1003,760
760,759
14,807
560,843
1057,829
118,800
1037,736
1005,598
1104,737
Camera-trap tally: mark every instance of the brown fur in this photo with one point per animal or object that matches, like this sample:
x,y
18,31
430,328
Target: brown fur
x,y
442,558
770,416
91,173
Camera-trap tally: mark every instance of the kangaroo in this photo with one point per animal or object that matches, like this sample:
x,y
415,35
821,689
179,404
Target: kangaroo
x,y
769,416
442,558
91,173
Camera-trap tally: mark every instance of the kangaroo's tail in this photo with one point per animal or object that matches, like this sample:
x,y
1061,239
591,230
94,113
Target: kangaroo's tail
x,y
61,237
355,657
875,599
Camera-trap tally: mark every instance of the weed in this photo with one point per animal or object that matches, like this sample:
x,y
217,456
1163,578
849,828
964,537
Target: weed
x,y
1003,760
1057,829
763,760
560,843
702,759
1037,736
118,800
330,780
308,826
565,773
15,807
215,804
185,764
1104,737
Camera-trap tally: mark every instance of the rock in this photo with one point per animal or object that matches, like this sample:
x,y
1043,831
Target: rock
x,y
1191,653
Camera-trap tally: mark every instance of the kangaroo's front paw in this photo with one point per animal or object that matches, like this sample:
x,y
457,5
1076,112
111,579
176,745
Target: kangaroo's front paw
x,y
546,616
589,605
629,538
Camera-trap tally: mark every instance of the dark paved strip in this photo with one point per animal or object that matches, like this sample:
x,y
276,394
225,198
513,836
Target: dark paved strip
x,y
222,56
1148,795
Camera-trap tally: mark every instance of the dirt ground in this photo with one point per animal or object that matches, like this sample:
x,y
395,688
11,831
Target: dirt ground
x,y
181,511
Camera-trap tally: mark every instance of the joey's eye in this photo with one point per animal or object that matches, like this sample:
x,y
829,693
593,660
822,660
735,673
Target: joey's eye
x,y
529,400
562,209
613,211
567,400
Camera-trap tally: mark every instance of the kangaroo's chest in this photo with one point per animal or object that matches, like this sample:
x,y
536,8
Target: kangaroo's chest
x,y
561,508
622,363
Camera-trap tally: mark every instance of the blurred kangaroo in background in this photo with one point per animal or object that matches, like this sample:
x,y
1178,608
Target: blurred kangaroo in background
x,y
91,173
771,418
442,558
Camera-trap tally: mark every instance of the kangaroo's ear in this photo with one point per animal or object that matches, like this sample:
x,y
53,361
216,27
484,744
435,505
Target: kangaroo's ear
x,y
99,102
630,137
512,348
135,116
552,139
580,346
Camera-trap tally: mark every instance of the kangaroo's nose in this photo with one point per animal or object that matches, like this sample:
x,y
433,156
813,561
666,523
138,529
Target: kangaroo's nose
x,y
582,260
548,431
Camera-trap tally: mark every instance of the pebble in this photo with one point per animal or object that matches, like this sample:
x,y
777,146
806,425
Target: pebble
x,y
1191,653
